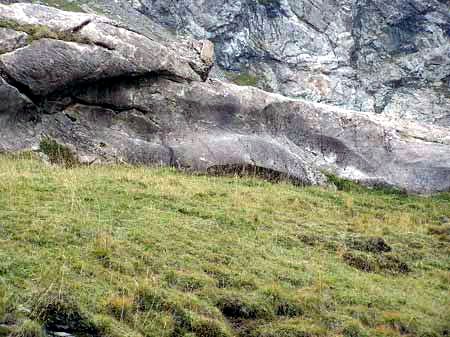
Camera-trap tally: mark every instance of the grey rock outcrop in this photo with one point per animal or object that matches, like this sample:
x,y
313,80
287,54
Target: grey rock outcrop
x,y
112,94
389,57
386,57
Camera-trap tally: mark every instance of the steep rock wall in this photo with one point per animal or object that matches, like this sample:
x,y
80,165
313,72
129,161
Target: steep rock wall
x,y
389,57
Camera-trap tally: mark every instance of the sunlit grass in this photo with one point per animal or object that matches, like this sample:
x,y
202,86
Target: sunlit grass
x,y
133,251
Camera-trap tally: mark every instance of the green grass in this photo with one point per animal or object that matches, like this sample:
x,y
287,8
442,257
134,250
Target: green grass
x,y
132,251
57,153
73,5
66,5
243,79
38,32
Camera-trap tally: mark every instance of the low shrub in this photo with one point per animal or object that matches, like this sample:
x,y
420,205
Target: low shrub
x,y
57,153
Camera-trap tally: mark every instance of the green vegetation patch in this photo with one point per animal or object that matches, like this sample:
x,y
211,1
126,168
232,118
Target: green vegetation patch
x,y
244,79
66,5
139,252
57,153
37,32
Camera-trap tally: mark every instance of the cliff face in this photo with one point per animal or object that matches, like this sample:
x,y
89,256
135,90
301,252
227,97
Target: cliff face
x,y
112,94
389,57
386,57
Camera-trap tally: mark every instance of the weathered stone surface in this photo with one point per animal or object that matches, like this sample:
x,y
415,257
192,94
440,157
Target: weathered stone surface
x,y
41,15
117,95
96,41
11,40
210,124
12,101
381,56
17,118
389,57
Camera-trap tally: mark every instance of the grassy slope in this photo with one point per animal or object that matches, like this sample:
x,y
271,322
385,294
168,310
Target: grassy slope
x,y
119,251
66,5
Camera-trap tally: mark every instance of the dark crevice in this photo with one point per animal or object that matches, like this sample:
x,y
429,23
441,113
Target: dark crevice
x,y
117,109
62,98
172,157
103,45
244,170
75,89
23,89
203,74
76,29
73,119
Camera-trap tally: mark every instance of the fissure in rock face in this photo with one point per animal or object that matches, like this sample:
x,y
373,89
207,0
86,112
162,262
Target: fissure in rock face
x,y
111,93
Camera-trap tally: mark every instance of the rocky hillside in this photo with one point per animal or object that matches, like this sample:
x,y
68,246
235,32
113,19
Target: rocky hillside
x,y
112,94
389,57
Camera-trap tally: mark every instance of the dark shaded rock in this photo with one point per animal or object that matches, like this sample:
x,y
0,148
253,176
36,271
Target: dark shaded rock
x,y
12,101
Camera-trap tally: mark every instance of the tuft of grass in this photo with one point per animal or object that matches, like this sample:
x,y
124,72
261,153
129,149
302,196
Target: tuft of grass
x,y
120,306
341,183
371,244
390,264
66,5
38,32
28,328
3,304
103,246
188,281
57,153
59,310
346,185
244,79
285,303
237,306
289,328
354,329
139,252
207,327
